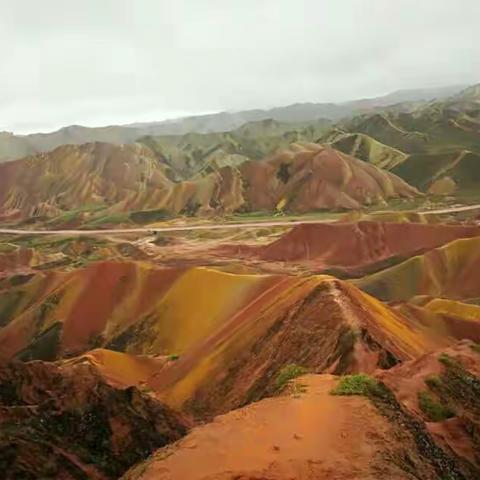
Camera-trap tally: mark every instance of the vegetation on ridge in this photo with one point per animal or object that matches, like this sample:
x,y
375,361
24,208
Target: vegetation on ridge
x,y
287,374
358,384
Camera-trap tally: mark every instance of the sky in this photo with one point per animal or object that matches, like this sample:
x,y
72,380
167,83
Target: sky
x,y
101,62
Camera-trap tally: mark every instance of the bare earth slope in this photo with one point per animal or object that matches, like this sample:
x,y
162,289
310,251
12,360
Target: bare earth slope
x,y
353,248
383,431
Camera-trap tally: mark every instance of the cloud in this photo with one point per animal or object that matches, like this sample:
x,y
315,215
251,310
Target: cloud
x,y
117,61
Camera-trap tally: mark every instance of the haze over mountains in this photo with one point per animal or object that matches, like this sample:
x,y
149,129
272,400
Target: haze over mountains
x,y
17,146
366,159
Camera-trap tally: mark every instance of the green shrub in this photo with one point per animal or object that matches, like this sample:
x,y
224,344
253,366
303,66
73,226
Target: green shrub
x,y
434,381
359,384
448,361
149,216
435,411
476,347
288,373
7,247
283,173
144,388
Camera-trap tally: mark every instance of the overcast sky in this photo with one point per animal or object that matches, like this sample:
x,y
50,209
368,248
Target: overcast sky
x,y
97,62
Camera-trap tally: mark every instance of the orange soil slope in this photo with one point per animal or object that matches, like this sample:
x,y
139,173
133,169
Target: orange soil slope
x,y
132,177
353,247
121,369
310,435
77,305
125,305
233,332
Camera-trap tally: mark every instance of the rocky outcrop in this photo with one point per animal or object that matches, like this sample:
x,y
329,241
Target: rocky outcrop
x,y
67,423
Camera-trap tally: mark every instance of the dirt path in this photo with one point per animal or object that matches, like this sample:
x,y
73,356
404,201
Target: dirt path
x,y
206,226
313,436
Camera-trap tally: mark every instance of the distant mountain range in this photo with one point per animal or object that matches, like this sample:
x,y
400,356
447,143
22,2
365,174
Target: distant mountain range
x,y
431,147
17,146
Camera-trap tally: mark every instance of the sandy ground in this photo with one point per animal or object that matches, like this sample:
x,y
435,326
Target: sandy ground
x,y
307,436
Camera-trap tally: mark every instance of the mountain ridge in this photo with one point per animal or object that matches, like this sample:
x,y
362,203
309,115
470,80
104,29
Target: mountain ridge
x,y
16,146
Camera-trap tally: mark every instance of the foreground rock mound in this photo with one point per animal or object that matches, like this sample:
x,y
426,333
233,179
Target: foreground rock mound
x,y
368,430
66,422
316,436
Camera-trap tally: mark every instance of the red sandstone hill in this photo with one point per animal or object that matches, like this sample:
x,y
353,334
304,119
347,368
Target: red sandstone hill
x,y
362,243
309,177
353,248
123,178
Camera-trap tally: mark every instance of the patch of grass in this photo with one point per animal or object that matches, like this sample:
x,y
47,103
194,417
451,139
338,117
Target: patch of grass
x,y
144,388
297,389
7,247
262,216
434,410
149,216
434,381
475,347
71,215
358,384
288,373
173,357
111,219
448,361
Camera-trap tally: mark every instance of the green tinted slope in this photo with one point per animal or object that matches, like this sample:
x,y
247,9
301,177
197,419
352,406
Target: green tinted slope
x,y
441,138
197,153
366,148
422,170
385,129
